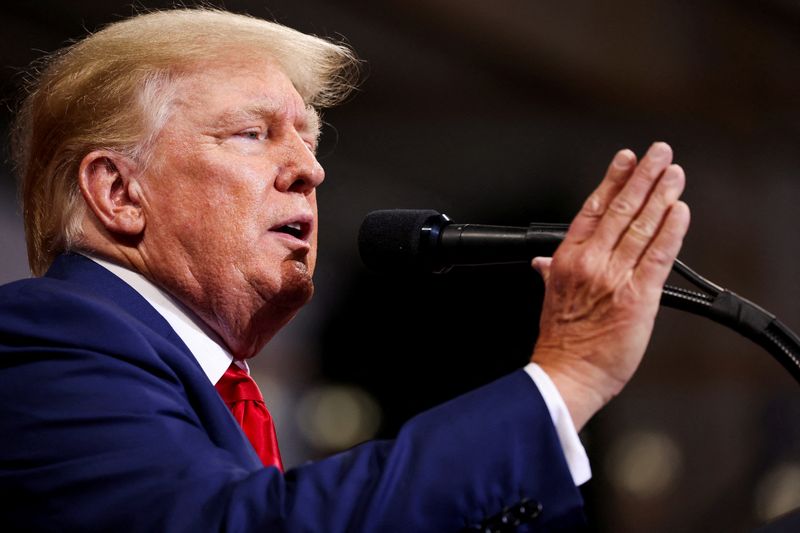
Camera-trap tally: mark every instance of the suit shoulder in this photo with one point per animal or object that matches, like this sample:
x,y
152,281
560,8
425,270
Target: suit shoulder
x,y
45,311
51,298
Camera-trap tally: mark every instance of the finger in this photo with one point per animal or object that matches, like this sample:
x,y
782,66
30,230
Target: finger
x,y
542,266
643,229
656,263
585,223
630,200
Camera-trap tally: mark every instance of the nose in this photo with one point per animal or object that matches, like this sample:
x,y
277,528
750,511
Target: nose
x,y
300,171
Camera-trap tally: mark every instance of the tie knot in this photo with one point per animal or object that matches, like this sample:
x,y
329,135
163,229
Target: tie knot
x,y
236,385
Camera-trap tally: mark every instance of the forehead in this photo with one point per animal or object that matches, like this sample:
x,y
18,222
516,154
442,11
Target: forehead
x,y
222,93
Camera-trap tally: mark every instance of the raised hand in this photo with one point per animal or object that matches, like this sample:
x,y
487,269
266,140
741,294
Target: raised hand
x,y
603,285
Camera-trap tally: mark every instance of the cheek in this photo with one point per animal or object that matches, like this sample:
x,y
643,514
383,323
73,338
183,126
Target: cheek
x,y
205,202
228,191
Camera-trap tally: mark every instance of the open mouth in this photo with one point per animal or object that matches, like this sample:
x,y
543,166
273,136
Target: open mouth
x,y
294,229
297,229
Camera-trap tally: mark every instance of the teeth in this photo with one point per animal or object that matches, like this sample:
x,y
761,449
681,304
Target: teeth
x,y
295,229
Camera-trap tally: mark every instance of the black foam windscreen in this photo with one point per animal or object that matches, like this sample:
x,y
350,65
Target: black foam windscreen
x,y
389,240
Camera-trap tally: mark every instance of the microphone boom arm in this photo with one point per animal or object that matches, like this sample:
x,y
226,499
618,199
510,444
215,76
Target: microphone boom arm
x,y
739,314
723,307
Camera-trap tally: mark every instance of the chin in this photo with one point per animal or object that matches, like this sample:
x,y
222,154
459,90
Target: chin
x,y
294,296
295,288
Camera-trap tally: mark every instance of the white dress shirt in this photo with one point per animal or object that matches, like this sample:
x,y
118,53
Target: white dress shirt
x,y
214,359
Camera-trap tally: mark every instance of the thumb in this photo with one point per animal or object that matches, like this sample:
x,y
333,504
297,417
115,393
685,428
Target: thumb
x,y
542,266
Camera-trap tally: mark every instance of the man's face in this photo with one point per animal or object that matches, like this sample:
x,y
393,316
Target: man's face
x,y
230,201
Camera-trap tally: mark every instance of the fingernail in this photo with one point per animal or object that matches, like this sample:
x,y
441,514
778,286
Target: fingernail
x,y
672,172
623,159
659,150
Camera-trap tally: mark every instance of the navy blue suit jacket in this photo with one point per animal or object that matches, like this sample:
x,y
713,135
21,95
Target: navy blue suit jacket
x,y
107,423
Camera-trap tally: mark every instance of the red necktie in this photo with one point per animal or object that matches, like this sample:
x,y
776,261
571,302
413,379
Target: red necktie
x,y
240,393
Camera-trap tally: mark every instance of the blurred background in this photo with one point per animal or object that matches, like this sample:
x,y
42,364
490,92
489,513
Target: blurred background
x,y
508,112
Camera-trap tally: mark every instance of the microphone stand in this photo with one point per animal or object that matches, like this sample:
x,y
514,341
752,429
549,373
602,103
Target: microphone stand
x,y
724,307
739,314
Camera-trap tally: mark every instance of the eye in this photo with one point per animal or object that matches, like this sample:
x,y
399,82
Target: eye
x,y
252,135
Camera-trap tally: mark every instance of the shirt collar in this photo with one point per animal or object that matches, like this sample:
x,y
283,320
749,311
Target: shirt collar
x,y
205,345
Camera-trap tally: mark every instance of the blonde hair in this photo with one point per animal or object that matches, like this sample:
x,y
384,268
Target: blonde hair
x,y
112,90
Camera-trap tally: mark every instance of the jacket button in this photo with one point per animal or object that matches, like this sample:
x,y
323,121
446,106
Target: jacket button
x,y
500,523
528,510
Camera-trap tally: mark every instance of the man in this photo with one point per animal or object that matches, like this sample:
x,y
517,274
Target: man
x,y
168,181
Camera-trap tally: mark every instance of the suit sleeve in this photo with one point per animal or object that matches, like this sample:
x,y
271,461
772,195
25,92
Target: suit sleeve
x,y
102,435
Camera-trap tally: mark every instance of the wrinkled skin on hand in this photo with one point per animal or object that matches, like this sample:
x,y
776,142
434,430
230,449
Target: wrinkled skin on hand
x,y
603,285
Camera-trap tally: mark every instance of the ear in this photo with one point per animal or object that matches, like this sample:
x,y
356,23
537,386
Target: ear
x,y
109,186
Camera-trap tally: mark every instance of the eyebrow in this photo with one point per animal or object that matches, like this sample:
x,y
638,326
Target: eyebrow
x,y
310,121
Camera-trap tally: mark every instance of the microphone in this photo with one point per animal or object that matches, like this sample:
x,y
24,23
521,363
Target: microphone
x,y
423,240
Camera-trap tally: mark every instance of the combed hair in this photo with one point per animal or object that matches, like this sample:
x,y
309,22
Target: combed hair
x,y
113,90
